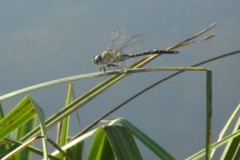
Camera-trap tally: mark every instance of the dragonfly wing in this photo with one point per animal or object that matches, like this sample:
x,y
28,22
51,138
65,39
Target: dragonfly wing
x,y
118,36
133,44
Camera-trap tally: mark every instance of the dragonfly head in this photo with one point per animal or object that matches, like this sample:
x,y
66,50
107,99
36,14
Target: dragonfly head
x,y
97,59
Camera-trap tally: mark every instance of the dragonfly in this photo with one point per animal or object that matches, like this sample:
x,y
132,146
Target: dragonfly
x,y
118,51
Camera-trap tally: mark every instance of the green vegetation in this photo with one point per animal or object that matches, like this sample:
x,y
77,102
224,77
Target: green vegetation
x,y
26,123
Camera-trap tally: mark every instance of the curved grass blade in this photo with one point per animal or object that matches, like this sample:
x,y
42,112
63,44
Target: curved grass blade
x,y
75,141
43,129
49,84
147,141
114,142
100,148
122,142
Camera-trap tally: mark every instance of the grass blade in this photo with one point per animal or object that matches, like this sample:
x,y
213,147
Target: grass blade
x,y
17,117
122,142
215,145
227,125
23,130
25,110
63,126
147,141
100,148
113,141
232,150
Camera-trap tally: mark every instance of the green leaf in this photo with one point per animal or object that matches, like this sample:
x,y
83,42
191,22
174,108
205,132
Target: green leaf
x,y
122,143
63,127
146,140
23,130
113,141
1,111
76,151
23,111
100,148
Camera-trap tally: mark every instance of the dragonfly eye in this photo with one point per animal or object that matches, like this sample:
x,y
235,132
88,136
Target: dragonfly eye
x,y
97,59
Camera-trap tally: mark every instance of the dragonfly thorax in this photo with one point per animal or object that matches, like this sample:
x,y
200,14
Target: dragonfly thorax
x,y
107,57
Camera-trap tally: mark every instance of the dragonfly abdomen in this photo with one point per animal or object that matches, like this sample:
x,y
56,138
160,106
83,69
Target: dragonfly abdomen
x,y
154,51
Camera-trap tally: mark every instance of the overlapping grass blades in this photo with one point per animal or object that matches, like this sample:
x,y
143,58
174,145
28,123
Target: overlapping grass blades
x,y
25,110
232,140
70,107
105,141
232,149
63,126
114,142
147,141
75,152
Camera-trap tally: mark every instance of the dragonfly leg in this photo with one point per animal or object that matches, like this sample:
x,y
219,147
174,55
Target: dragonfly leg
x,y
116,66
111,65
102,68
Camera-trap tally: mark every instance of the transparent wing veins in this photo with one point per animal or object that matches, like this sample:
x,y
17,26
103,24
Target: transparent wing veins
x,y
118,36
132,45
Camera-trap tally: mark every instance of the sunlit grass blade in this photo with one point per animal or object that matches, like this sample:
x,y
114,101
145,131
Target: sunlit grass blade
x,y
232,150
41,118
227,125
4,146
28,143
146,140
25,110
17,117
49,84
14,151
28,147
63,126
75,152
80,139
215,145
